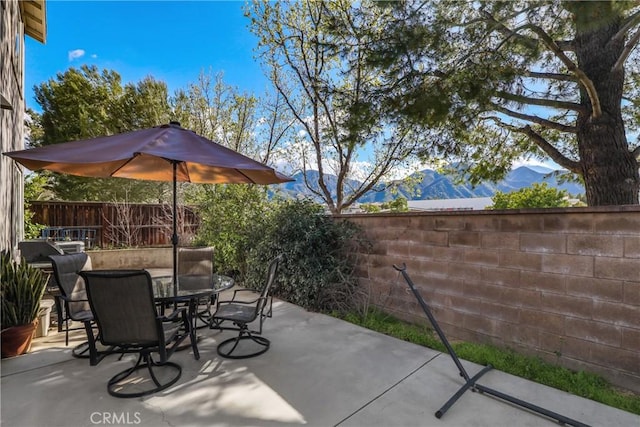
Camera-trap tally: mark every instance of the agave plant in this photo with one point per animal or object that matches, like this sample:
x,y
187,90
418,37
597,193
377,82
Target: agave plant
x,y
21,288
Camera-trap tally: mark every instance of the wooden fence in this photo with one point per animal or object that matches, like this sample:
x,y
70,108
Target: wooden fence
x,y
106,225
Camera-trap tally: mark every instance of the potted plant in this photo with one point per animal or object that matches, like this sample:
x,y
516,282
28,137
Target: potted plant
x,y
21,288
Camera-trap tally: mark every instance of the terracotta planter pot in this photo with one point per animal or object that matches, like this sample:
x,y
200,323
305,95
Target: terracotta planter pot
x,y
16,340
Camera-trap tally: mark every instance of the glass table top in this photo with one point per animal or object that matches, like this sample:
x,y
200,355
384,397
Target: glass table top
x,y
190,286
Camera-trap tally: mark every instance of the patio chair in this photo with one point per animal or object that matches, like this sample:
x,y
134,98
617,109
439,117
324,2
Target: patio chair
x,y
71,301
125,312
241,314
195,270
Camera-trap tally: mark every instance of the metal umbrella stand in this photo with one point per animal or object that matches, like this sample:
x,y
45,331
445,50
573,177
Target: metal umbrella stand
x,y
471,382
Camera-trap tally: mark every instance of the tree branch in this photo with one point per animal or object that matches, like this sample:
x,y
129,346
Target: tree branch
x,y
509,33
628,23
571,66
633,41
543,144
561,105
551,151
538,120
552,76
636,153
564,45
381,169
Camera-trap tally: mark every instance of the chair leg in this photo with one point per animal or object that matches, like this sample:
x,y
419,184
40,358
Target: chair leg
x,y
117,383
244,335
82,350
59,308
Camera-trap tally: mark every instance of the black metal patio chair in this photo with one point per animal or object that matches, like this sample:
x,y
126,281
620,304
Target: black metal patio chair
x,y
242,314
195,271
125,312
71,301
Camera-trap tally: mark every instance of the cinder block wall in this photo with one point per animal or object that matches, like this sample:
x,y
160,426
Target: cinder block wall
x,y
132,258
562,284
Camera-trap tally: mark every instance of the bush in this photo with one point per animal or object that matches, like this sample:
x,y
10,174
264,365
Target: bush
x,y
230,215
316,272
536,196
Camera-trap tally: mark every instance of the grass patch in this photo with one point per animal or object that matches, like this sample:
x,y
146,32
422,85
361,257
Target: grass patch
x,y
584,384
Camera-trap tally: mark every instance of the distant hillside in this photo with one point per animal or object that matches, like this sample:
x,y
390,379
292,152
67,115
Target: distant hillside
x,y
442,186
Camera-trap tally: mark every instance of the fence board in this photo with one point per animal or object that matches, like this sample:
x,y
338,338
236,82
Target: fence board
x,y
105,225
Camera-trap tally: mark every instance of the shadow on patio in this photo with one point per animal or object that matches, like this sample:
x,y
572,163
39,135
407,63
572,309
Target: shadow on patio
x,y
320,371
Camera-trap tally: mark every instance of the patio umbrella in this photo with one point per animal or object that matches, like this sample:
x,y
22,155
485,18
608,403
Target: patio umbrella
x,y
163,153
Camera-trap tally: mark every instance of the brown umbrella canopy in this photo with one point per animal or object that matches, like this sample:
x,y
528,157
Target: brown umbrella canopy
x,y
150,154
163,153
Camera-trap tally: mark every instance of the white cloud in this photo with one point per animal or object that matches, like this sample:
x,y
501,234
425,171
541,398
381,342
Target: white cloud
x,y
75,54
94,56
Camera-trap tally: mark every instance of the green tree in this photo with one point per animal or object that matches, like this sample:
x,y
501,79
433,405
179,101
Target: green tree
x,y
498,80
35,188
212,108
370,208
536,196
321,77
229,215
399,204
86,103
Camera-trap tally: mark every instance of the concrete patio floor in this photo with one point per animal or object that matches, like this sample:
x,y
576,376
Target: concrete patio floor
x,y
319,371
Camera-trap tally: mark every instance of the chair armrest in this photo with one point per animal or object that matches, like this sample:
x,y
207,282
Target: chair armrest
x,y
173,315
238,302
237,291
67,299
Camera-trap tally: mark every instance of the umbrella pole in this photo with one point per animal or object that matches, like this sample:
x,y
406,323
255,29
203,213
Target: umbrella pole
x,y
174,237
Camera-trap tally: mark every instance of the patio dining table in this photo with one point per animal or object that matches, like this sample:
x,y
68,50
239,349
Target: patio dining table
x,y
191,289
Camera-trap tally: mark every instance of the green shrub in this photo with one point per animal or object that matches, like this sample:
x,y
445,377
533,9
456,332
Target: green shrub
x,y
230,216
316,272
536,196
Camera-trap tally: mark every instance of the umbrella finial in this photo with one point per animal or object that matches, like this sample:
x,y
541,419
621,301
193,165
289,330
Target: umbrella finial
x,y
174,123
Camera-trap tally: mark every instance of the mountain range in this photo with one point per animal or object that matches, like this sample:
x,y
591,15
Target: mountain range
x,y
434,185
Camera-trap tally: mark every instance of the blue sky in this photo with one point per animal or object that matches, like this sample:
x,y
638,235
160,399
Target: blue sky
x,y
171,41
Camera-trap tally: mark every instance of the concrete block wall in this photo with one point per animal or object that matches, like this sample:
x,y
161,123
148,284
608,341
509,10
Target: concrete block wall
x,y
123,259
562,284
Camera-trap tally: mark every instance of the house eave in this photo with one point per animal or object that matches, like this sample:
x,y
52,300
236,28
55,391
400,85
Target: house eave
x,y
34,16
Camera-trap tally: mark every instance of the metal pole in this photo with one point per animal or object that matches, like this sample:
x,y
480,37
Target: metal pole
x,y
470,383
174,237
433,321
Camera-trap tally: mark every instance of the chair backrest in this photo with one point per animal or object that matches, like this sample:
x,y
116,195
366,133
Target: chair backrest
x,y
66,269
38,250
195,267
123,307
195,261
271,278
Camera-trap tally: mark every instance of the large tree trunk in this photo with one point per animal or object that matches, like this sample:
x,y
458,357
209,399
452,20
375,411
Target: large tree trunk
x,y
609,169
